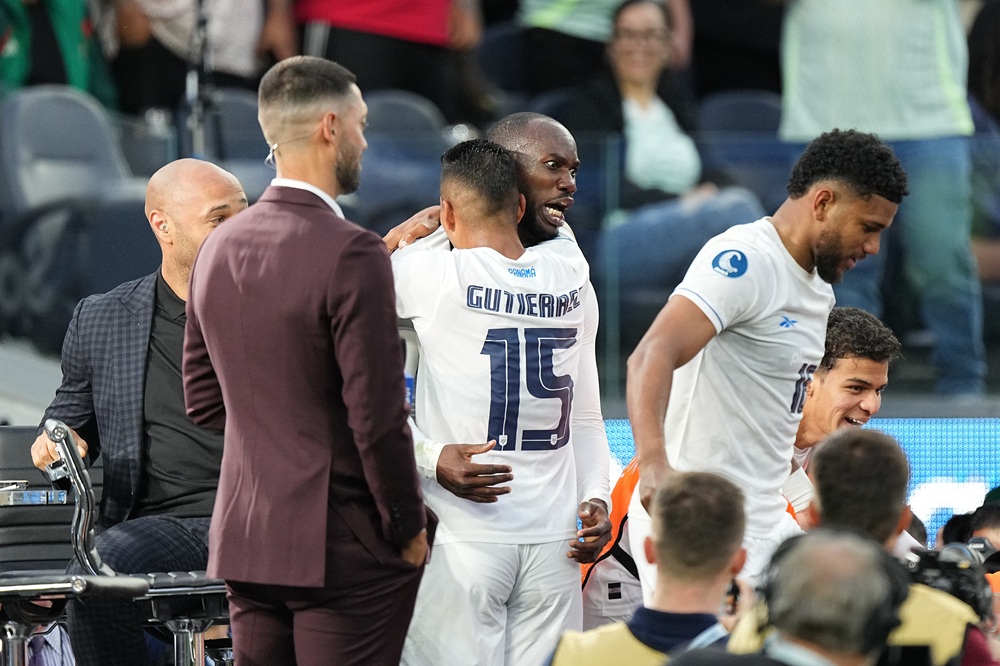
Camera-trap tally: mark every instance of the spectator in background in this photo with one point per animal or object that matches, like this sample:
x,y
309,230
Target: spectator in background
x,y
151,45
665,199
897,68
736,45
696,544
957,529
50,41
984,102
565,41
404,44
985,529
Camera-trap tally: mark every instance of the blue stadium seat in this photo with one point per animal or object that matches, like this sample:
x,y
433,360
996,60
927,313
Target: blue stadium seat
x,y
406,135
739,135
235,141
73,219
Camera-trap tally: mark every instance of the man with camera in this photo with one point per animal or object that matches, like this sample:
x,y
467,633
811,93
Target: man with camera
x,y
860,479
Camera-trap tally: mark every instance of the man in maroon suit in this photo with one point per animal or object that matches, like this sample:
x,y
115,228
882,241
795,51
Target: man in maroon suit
x,y
319,529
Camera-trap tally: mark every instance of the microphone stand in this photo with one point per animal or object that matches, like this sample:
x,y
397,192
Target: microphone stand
x,y
198,89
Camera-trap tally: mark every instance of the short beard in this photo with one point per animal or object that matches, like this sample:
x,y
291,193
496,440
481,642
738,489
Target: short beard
x,y
530,231
348,172
828,268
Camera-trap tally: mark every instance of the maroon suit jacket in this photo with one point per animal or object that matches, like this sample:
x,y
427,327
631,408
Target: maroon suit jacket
x,y
291,325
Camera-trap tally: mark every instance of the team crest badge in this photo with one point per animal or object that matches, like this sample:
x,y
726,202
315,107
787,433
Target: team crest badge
x,y
730,263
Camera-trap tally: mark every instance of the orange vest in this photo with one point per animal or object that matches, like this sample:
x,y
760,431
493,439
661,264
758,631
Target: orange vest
x,y
621,497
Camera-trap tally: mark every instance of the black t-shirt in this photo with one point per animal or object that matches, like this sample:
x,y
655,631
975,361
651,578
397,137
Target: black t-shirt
x,y
182,460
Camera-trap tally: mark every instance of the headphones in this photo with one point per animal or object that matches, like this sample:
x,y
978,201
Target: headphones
x,y
884,617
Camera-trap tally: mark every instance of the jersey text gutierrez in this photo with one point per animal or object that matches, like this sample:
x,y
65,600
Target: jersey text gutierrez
x,y
531,305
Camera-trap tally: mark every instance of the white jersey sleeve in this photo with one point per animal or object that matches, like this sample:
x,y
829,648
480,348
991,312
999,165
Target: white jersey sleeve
x,y
728,280
416,274
590,440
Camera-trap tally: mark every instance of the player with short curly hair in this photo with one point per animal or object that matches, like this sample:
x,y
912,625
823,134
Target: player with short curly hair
x,y
719,381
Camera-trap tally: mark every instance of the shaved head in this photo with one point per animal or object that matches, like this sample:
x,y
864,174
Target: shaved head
x,y
174,183
185,200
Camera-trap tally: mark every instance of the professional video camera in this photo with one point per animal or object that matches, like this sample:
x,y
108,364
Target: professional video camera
x,y
956,569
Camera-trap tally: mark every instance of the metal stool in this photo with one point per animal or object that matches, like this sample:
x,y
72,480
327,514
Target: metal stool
x,y
187,603
21,614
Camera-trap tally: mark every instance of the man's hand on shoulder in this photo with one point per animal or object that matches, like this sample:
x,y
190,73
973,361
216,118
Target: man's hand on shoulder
x,y
463,478
422,224
44,453
596,531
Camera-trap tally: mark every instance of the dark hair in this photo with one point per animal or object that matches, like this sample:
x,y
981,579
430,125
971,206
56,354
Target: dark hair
x,y
852,332
860,161
957,529
860,477
662,6
698,524
485,168
302,80
986,517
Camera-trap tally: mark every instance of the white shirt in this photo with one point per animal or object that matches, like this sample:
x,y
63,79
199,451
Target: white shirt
x,y
507,353
894,67
735,407
658,153
302,185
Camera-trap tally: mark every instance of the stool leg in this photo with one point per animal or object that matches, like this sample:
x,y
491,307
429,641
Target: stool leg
x,y
189,642
15,644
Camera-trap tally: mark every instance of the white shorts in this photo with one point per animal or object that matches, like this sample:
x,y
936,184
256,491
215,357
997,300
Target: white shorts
x,y
759,551
612,593
493,605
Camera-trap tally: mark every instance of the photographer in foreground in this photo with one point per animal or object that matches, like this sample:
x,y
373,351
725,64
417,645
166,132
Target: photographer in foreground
x,y
860,479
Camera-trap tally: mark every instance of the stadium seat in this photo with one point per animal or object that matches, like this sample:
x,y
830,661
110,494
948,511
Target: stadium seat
x,y
739,135
551,102
406,136
73,221
149,142
402,111
234,140
500,56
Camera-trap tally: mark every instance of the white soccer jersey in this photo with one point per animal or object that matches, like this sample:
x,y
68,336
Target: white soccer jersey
x,y
735,407
502,346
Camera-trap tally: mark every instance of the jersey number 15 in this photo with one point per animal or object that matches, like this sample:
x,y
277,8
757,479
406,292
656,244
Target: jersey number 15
x,y
503,346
